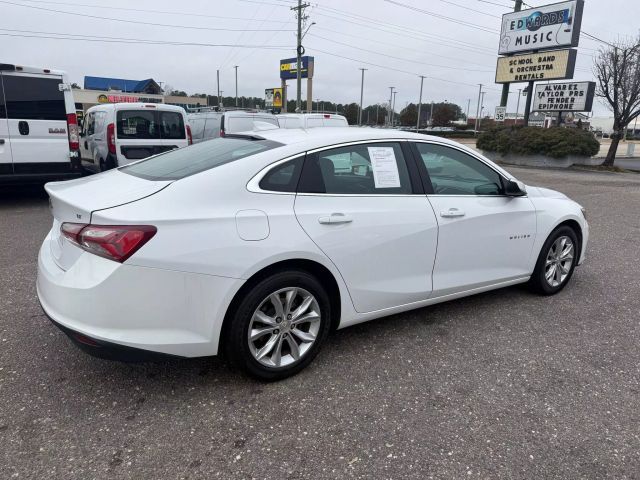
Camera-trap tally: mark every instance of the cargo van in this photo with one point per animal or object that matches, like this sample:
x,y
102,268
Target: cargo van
x,y
209,123
311,120
116,134
38,126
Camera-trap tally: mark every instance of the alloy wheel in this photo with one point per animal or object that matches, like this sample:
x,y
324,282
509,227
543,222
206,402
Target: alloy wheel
x,y
559,261
284,327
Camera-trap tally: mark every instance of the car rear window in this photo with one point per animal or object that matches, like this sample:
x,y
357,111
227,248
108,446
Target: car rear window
x,y
34,98
187,161
150,124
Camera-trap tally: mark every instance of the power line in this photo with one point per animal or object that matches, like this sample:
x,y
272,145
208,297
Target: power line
x,y
386,67
189,27
140,10
469,9
443,17
103,39
395,57
448,57
409,33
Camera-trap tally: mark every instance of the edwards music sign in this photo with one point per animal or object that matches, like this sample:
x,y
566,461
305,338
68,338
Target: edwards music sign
x,y
543,28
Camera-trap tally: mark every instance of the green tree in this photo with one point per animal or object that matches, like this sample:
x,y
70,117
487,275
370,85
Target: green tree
x,y
409,115
75,86
444,114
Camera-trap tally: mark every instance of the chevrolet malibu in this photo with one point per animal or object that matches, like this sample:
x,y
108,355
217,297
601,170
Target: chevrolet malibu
x,y
257,245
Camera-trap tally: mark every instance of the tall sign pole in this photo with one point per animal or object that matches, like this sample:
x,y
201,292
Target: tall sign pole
x,y
505,88
361,97
419,103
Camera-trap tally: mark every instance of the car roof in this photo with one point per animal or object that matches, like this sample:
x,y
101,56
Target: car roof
x,y
319,137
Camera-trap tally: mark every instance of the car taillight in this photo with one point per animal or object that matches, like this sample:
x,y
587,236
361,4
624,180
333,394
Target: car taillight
x,y
115,242
111,138
189,137
74,134
222,132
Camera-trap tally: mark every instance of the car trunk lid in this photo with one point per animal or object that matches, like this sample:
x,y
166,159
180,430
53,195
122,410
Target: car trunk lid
x,y
75,201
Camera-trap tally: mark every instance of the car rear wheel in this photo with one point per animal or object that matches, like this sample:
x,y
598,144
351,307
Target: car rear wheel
x,y
556,262
279,326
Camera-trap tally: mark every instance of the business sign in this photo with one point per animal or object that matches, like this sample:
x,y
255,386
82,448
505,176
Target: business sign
x,y
564,97
501,114
273,97
102,98
289,68
555,65
543,28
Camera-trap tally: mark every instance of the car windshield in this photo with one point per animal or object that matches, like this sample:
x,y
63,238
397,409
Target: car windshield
x,y
184,162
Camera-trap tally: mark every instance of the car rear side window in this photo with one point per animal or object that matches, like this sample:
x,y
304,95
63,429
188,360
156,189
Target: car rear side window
x,y
284,177
187,161
172,125
363,169
140,124
33,98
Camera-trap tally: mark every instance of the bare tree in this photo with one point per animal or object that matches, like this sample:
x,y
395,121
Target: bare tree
x,y
618,72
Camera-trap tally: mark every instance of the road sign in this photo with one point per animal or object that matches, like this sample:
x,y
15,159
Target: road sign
x,y
501,114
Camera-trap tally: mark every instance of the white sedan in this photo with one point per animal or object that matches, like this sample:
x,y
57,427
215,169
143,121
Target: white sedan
x,y
259,244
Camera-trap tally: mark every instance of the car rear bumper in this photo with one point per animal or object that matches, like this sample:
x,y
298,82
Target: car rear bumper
x,y
123,306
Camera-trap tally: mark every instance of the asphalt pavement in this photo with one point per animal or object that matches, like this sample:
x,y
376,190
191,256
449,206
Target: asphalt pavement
x,y
505,384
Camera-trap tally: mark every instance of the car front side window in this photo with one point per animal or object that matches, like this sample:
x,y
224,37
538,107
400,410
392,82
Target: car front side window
x,y
453,172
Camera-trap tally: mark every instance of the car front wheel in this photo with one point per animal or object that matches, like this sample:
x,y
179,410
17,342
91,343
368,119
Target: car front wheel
x,y
279,326
556,262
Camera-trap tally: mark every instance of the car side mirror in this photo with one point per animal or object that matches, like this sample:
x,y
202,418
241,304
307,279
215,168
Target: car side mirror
x,y
514,188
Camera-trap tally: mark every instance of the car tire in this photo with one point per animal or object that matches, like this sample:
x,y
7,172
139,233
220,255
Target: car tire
x,y
279,336
556,262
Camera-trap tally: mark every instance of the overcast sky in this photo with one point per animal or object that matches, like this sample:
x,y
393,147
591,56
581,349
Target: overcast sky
x,y
395,44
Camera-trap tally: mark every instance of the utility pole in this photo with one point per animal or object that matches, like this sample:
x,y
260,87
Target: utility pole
x,y
420,103
361,97
393,109
468,107
518,107
218,82
478,109
390,103
431,114
505,87
527,104
481,110
299,51
236,67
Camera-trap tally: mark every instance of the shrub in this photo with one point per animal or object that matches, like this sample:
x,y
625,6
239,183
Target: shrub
x,y
551,142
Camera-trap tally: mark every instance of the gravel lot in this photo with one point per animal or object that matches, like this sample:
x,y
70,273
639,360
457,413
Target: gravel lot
x,y
500,385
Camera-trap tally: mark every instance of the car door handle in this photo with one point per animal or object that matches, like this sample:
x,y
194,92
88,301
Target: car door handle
x,y
452,213
335,219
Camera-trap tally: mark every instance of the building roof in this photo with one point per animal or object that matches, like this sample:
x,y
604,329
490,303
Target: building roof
x,y
131,86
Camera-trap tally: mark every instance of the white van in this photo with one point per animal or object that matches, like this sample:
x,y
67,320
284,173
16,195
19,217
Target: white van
x,y
311,120
208,124
38,126
116,134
